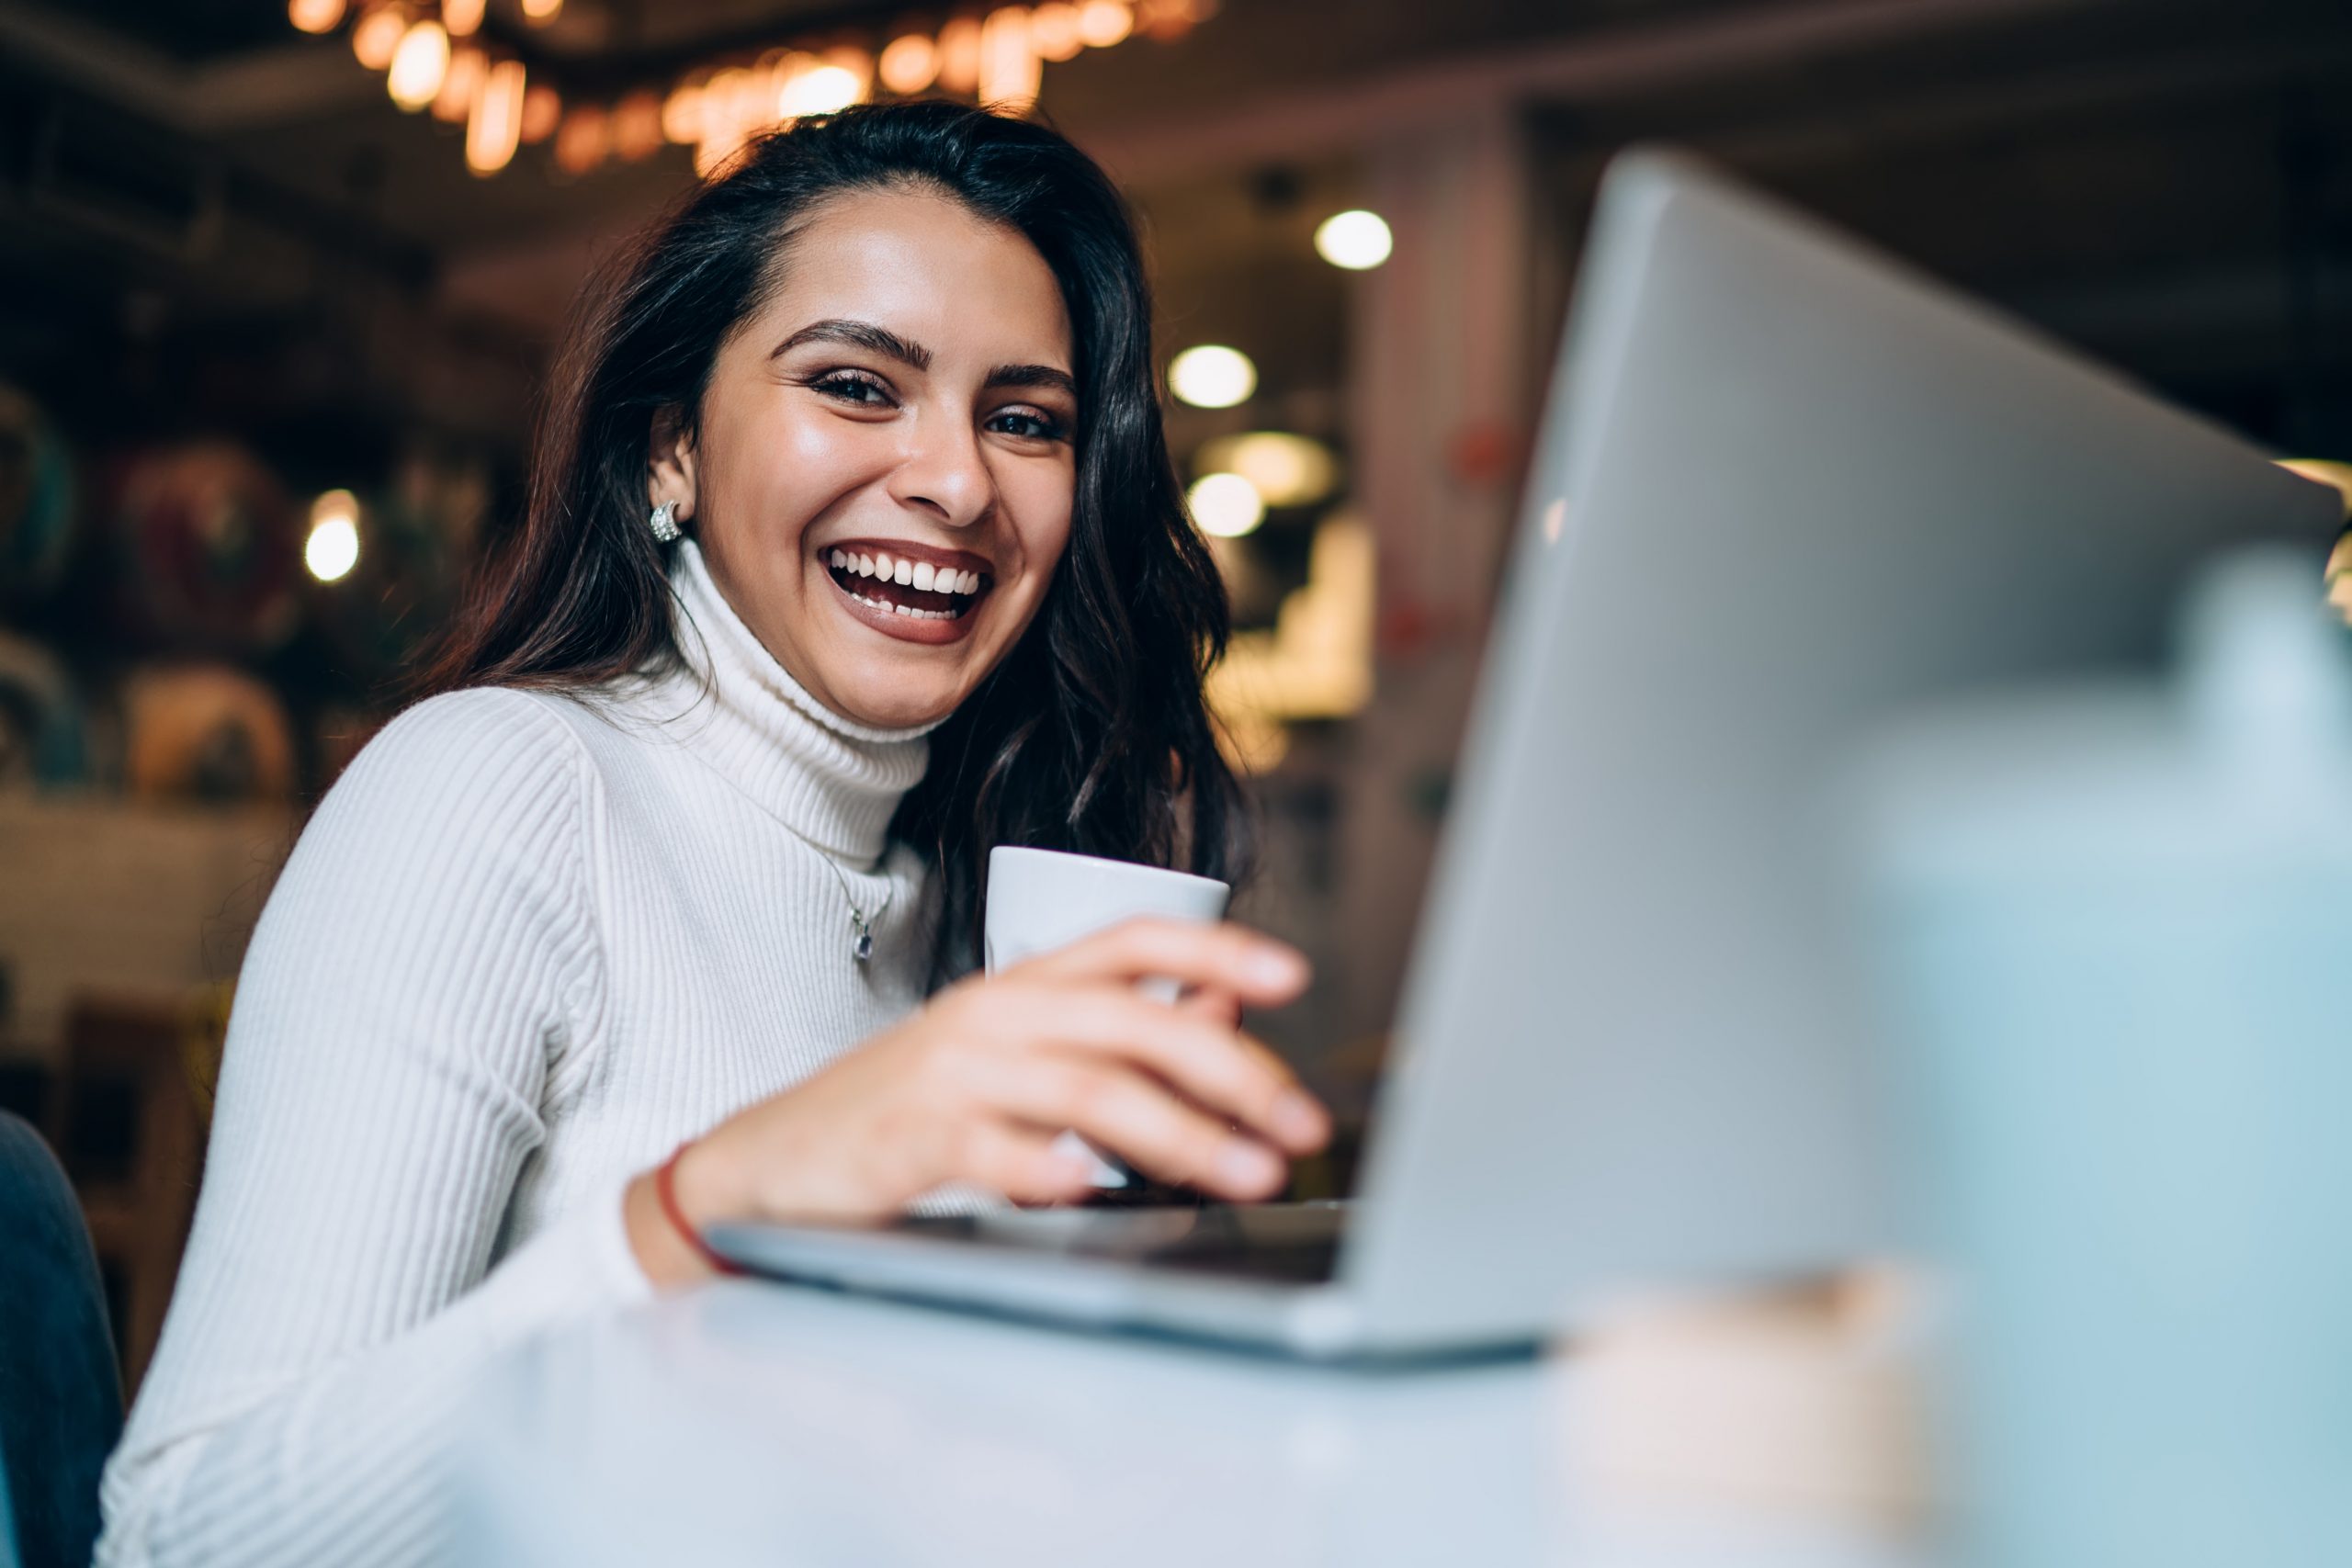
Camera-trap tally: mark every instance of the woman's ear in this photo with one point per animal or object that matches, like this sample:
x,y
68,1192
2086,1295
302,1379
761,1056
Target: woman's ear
x,y
670,465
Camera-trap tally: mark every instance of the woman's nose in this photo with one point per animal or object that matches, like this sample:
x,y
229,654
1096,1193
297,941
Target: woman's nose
x,y
942,472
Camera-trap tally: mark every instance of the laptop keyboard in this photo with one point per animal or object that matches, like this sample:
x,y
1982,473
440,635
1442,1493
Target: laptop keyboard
x,y
1291,1244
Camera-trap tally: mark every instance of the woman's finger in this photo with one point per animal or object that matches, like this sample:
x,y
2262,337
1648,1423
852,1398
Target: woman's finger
x,y
1215,1067
1212,1004
1255,968
1119,1108
1021,1162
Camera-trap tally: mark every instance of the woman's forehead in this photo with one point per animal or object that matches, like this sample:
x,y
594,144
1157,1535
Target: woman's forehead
x,y
927,268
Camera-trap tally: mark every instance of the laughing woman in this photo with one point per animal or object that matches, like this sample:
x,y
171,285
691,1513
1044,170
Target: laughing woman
x,y
852,548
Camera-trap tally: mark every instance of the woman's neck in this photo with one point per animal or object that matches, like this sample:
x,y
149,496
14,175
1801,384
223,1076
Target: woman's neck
x,y
835,781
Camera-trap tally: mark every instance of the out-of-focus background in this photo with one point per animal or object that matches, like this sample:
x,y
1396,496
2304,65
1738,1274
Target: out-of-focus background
x,y
278,282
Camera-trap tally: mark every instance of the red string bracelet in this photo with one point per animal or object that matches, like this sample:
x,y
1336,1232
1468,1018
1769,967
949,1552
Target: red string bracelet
x,y
665,1188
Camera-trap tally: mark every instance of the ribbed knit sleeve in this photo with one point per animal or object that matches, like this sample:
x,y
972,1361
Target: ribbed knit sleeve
x,y
428,961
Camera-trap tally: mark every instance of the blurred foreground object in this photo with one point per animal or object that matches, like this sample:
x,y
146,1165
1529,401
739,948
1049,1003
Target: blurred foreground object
x,y
2109,919
2339,560
1799,1403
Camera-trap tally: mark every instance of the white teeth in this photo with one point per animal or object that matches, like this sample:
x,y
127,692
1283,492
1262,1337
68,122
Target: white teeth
x,y
907,610
921,576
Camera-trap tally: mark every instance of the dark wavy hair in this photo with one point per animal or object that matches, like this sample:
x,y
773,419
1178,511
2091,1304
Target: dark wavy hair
x,y
1091,735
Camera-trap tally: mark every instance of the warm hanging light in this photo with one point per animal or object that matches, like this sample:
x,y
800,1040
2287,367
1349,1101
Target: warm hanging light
x,y
860,66
581,141
822,91
314,16
418,65
682,113
1008,76
496,126
636,127
542,111
455,103
776,71
378,37
1356,240
1052,30
995,55
1102,23
909,64
959,55
1211,377
1166,20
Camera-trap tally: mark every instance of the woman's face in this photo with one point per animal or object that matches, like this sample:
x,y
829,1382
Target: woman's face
x,y
883,480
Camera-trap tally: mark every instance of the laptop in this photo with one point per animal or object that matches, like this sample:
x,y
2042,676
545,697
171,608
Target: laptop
x,y
1785,488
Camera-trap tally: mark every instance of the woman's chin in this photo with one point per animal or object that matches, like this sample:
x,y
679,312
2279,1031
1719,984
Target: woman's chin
x,y
883,707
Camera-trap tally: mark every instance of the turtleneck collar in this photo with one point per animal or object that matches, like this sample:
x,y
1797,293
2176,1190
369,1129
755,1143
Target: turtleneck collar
x,y
833,782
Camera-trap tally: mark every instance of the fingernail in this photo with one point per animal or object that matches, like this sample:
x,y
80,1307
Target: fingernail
x,y
1272,967
1298,1119
1248,1166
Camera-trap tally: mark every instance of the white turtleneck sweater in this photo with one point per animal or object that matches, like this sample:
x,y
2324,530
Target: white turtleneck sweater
x,y
527,945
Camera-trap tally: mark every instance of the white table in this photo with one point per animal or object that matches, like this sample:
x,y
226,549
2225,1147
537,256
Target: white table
x,y
752,1423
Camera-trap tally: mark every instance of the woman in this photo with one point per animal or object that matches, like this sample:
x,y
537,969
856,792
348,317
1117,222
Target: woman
x,y
698,819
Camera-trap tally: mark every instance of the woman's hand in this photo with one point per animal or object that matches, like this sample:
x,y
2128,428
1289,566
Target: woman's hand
x,y
977,1086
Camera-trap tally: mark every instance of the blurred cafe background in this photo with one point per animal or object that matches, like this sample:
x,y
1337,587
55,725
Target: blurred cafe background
x,y
278,282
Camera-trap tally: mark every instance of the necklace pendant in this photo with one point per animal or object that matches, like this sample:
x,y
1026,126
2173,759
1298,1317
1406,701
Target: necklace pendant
x,y
862,948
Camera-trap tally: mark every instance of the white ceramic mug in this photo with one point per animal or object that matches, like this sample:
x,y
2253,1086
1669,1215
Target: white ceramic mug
x,y
1042,900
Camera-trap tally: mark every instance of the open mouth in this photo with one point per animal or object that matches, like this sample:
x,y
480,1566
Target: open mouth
x,y
897,585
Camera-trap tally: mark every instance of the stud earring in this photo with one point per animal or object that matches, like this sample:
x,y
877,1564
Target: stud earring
x,y
665,521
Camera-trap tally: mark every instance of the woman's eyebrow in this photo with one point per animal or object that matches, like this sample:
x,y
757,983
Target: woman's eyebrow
x,y
858,334
1032,376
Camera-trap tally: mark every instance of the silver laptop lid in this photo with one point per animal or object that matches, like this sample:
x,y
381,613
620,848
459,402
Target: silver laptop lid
x,y
1784,487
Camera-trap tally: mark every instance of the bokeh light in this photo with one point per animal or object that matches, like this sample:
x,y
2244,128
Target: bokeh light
x,y
1287,470
314,16
1211,377
1356,240
1102,23
909,64
419,64
333,547
377,35
1226,505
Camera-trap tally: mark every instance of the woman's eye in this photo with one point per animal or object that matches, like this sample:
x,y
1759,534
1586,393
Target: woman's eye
x,y
1031,427
851,389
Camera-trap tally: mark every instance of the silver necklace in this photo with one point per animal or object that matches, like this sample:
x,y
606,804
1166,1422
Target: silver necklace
x,y
862,947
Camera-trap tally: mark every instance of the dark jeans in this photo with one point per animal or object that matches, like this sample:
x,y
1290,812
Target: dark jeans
x,y
61,1402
